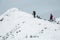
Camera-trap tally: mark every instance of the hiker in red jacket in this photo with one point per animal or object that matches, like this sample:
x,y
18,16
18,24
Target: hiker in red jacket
x,y
51,17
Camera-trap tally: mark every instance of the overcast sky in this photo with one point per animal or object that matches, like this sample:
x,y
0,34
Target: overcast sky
x,y
42,7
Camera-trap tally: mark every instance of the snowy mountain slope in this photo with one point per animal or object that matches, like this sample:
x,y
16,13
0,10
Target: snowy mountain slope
x,y
19,25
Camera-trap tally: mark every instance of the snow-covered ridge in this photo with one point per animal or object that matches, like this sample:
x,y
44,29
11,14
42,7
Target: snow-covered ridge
x,y
13,11
19,25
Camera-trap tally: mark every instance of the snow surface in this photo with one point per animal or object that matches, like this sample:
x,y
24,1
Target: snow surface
x,y
19,25
58,20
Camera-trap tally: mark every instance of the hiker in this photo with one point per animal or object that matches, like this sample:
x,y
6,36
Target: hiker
x,y
34,14
51,17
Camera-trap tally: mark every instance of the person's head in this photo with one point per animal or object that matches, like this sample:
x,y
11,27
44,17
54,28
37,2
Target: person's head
x,y
51,14
34,11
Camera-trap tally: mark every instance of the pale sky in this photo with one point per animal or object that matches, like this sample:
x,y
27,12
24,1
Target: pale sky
x,y
42,7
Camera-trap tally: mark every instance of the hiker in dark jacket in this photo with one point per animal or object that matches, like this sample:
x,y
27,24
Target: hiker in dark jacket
x,y
34,14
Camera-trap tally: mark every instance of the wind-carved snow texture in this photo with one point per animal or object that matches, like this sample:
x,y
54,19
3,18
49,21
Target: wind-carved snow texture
x,y
17,29
19,25
58,20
